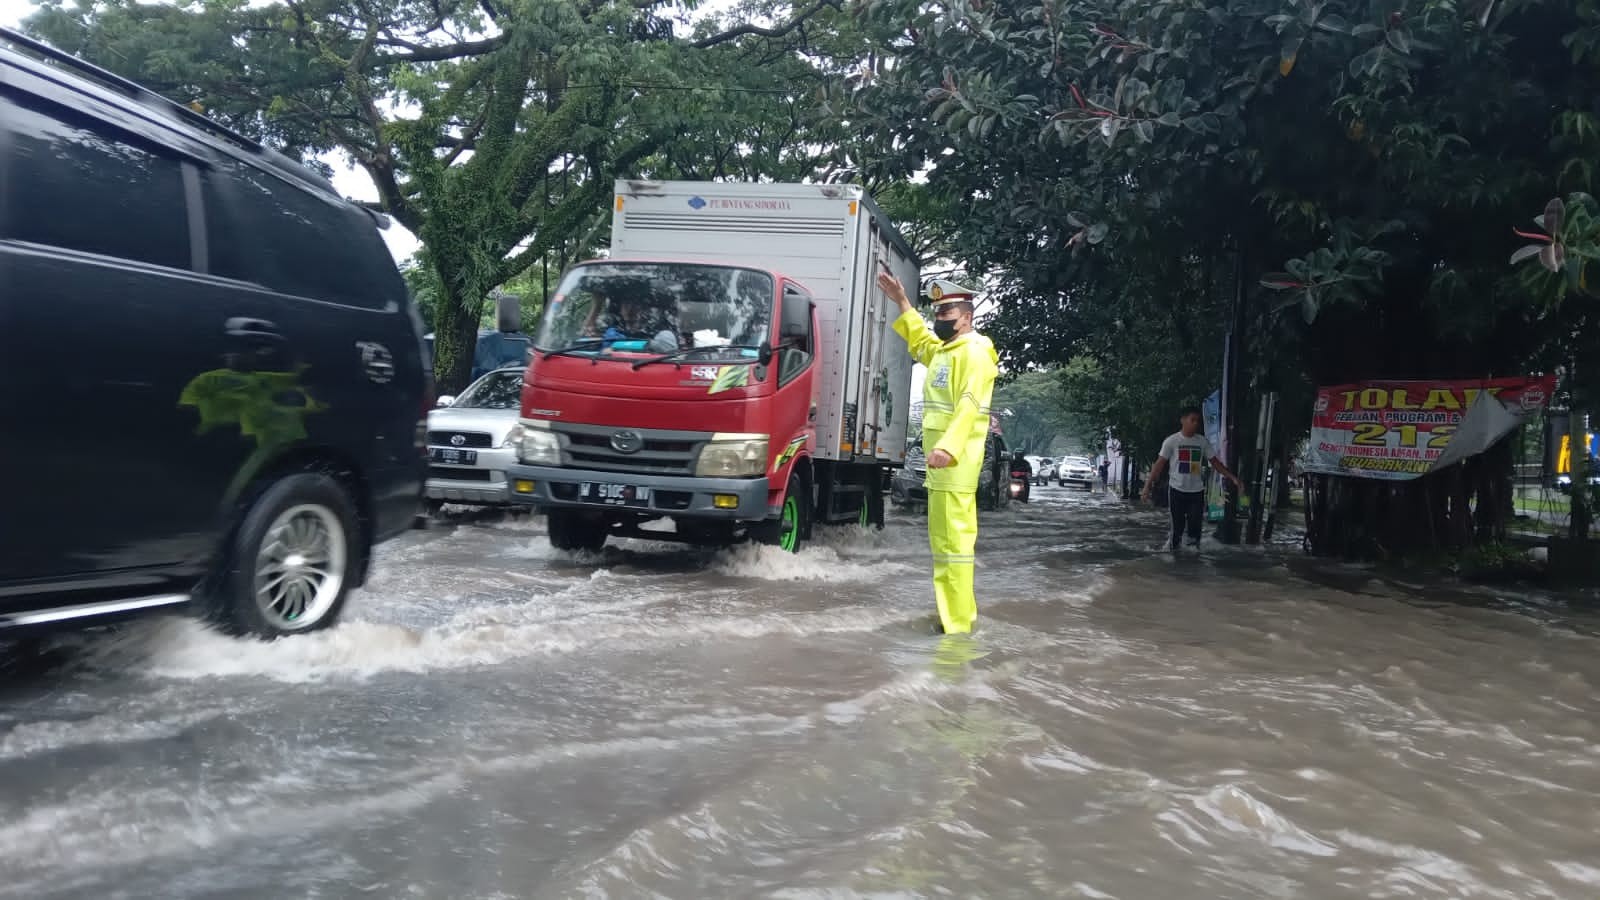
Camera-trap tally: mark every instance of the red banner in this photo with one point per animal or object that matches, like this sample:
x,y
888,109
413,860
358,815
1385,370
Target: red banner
x,y
1398,430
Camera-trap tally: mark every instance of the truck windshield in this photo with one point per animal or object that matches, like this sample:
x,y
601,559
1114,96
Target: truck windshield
x,y
659,308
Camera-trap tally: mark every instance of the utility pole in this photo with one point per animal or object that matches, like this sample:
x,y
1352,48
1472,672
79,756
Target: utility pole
x,y
1260,477
1232,348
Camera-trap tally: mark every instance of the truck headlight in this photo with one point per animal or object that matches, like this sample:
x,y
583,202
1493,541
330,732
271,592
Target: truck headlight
x,y
741,457
539,447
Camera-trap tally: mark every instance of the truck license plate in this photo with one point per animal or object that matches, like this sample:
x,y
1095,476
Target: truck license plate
x,y
453,457
614,494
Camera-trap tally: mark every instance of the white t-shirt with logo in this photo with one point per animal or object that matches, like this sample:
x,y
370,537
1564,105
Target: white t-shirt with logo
x,y
1185,456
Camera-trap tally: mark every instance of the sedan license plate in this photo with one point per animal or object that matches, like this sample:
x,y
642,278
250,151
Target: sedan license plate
x,y
614,494
453,457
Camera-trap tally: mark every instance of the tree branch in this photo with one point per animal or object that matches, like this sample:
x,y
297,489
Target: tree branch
x,y
590,196
422,53
776,31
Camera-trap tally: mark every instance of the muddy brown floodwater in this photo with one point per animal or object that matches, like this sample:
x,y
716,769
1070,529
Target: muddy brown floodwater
x,y
495,719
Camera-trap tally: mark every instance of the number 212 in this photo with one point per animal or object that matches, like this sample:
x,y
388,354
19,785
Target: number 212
x,y
1371,434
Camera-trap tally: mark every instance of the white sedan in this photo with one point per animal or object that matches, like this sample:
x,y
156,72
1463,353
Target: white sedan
x,y
470,442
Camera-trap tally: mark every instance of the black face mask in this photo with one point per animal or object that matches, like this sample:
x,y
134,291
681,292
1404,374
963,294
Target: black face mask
x,y
944,329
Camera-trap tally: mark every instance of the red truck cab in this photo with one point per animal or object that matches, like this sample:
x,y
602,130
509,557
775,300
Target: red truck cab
x,y
671,390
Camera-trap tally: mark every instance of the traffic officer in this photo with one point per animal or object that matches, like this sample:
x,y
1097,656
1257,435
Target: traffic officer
x,y
961,367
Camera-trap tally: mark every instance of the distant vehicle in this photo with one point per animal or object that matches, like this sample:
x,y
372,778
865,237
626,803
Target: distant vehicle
x,y
1564,482
499,347
1044,471
1021,478
909,488
1034,462
470,442
1076,470
240,419
994,481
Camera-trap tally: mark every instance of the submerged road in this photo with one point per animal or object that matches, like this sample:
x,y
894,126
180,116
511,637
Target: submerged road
x,y
495,719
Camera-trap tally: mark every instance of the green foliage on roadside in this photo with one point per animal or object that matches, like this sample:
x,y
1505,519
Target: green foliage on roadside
x,y
1040,419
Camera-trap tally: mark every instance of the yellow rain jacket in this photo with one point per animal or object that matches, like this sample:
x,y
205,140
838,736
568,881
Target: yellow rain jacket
x,y
955,399
955,419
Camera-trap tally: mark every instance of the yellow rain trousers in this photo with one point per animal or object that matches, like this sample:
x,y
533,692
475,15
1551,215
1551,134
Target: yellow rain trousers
x,y
955,419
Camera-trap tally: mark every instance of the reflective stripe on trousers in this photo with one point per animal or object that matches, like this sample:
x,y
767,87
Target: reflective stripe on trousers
x,y
953,536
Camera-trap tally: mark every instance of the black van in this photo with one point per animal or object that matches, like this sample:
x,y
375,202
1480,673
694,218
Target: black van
x,y
212,392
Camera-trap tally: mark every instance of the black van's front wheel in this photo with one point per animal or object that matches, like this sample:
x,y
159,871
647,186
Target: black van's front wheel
x,y
288,570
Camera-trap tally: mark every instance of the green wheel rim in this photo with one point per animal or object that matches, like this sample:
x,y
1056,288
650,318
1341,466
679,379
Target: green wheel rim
x,y
789,538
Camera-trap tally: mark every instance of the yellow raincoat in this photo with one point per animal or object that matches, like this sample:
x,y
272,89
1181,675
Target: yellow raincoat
x,y
955,419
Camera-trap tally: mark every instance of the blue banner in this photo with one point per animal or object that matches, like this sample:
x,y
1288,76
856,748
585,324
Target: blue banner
x,y
1211,411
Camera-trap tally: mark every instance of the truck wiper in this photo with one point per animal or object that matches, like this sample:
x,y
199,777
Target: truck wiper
x,y
581,345
680,354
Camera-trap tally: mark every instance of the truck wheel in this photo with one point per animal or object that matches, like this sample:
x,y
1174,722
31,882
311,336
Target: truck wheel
x,y
788,531
288,568
872,508
575,531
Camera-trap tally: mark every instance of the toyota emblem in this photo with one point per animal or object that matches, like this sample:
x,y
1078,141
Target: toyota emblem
x,y
458,439
627,442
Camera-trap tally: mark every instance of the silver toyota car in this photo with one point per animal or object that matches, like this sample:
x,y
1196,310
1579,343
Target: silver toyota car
x,y
470,442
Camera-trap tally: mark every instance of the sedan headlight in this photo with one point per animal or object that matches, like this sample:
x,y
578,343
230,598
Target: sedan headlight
x,y
742,457
538,446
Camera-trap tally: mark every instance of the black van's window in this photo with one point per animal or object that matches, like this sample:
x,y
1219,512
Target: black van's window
x,y
265,230
75,184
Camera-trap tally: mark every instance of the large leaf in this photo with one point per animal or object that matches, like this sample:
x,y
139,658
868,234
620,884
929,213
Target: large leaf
x,y
1334,24
1527,253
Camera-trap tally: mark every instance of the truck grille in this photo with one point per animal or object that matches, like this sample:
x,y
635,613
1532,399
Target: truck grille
x,y
468,439
663,453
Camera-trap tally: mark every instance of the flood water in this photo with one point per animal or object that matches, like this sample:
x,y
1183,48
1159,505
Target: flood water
x,y
495,719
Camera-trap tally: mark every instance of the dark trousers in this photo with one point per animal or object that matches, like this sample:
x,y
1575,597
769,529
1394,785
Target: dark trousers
x,y
1188,511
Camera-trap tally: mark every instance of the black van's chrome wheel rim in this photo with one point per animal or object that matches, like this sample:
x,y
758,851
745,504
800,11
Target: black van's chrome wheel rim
x,y
301,567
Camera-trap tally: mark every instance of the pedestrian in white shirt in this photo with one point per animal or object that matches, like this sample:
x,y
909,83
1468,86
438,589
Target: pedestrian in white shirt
x,y
1182,454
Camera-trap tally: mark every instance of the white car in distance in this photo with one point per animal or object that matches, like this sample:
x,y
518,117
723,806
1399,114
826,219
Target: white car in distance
x,y
1076,470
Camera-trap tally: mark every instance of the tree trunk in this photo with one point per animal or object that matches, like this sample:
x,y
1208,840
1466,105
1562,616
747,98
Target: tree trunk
x,y
455,341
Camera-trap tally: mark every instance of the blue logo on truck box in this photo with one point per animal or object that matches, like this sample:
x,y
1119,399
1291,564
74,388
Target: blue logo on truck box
x,y
697,203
